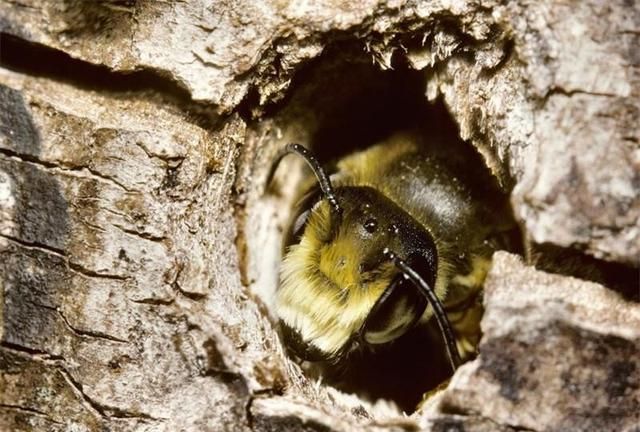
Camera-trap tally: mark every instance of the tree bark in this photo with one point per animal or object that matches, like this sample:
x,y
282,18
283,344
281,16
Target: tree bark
x,y
138,250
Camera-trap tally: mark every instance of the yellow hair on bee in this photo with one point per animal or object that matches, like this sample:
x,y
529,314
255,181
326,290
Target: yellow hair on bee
x,y
364,167
334,301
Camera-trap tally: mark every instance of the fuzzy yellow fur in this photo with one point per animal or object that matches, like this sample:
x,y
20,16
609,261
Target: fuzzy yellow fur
x,y
334,301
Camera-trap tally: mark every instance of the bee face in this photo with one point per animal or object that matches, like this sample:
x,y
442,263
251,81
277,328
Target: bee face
x,y
352,295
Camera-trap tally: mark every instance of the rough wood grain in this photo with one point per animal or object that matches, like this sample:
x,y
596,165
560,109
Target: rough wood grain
x,y
137,249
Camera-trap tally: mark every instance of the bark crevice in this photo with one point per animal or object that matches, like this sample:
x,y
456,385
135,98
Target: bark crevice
x,y
35,59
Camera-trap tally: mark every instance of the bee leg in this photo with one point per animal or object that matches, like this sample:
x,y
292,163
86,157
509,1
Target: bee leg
x,y
429,394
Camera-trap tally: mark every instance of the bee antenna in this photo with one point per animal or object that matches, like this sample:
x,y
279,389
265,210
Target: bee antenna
x,y
438,310
318,171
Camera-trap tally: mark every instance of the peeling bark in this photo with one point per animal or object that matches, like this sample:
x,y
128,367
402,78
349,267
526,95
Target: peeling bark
x,y
138,250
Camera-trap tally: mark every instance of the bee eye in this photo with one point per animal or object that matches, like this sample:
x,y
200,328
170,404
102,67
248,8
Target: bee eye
x,y
371,225
395,312
401,305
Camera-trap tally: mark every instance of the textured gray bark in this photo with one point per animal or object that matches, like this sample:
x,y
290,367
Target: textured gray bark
x,y
138,251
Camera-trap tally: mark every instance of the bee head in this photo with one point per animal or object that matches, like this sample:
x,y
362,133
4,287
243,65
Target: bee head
x,y
339,289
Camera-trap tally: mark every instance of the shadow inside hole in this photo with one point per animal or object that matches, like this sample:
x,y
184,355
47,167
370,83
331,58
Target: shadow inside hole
x,y
354,104
623,279
402,370
388,101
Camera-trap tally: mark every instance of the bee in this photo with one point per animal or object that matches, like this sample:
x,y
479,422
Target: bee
x,y
399,234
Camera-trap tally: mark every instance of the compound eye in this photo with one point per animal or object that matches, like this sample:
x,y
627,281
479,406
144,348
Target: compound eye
x,y
395,312
401,305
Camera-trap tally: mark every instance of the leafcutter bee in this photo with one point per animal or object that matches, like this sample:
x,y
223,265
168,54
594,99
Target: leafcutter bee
x,y
396,235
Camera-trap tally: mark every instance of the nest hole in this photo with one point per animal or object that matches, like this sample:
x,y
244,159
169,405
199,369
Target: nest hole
x,y
341,103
